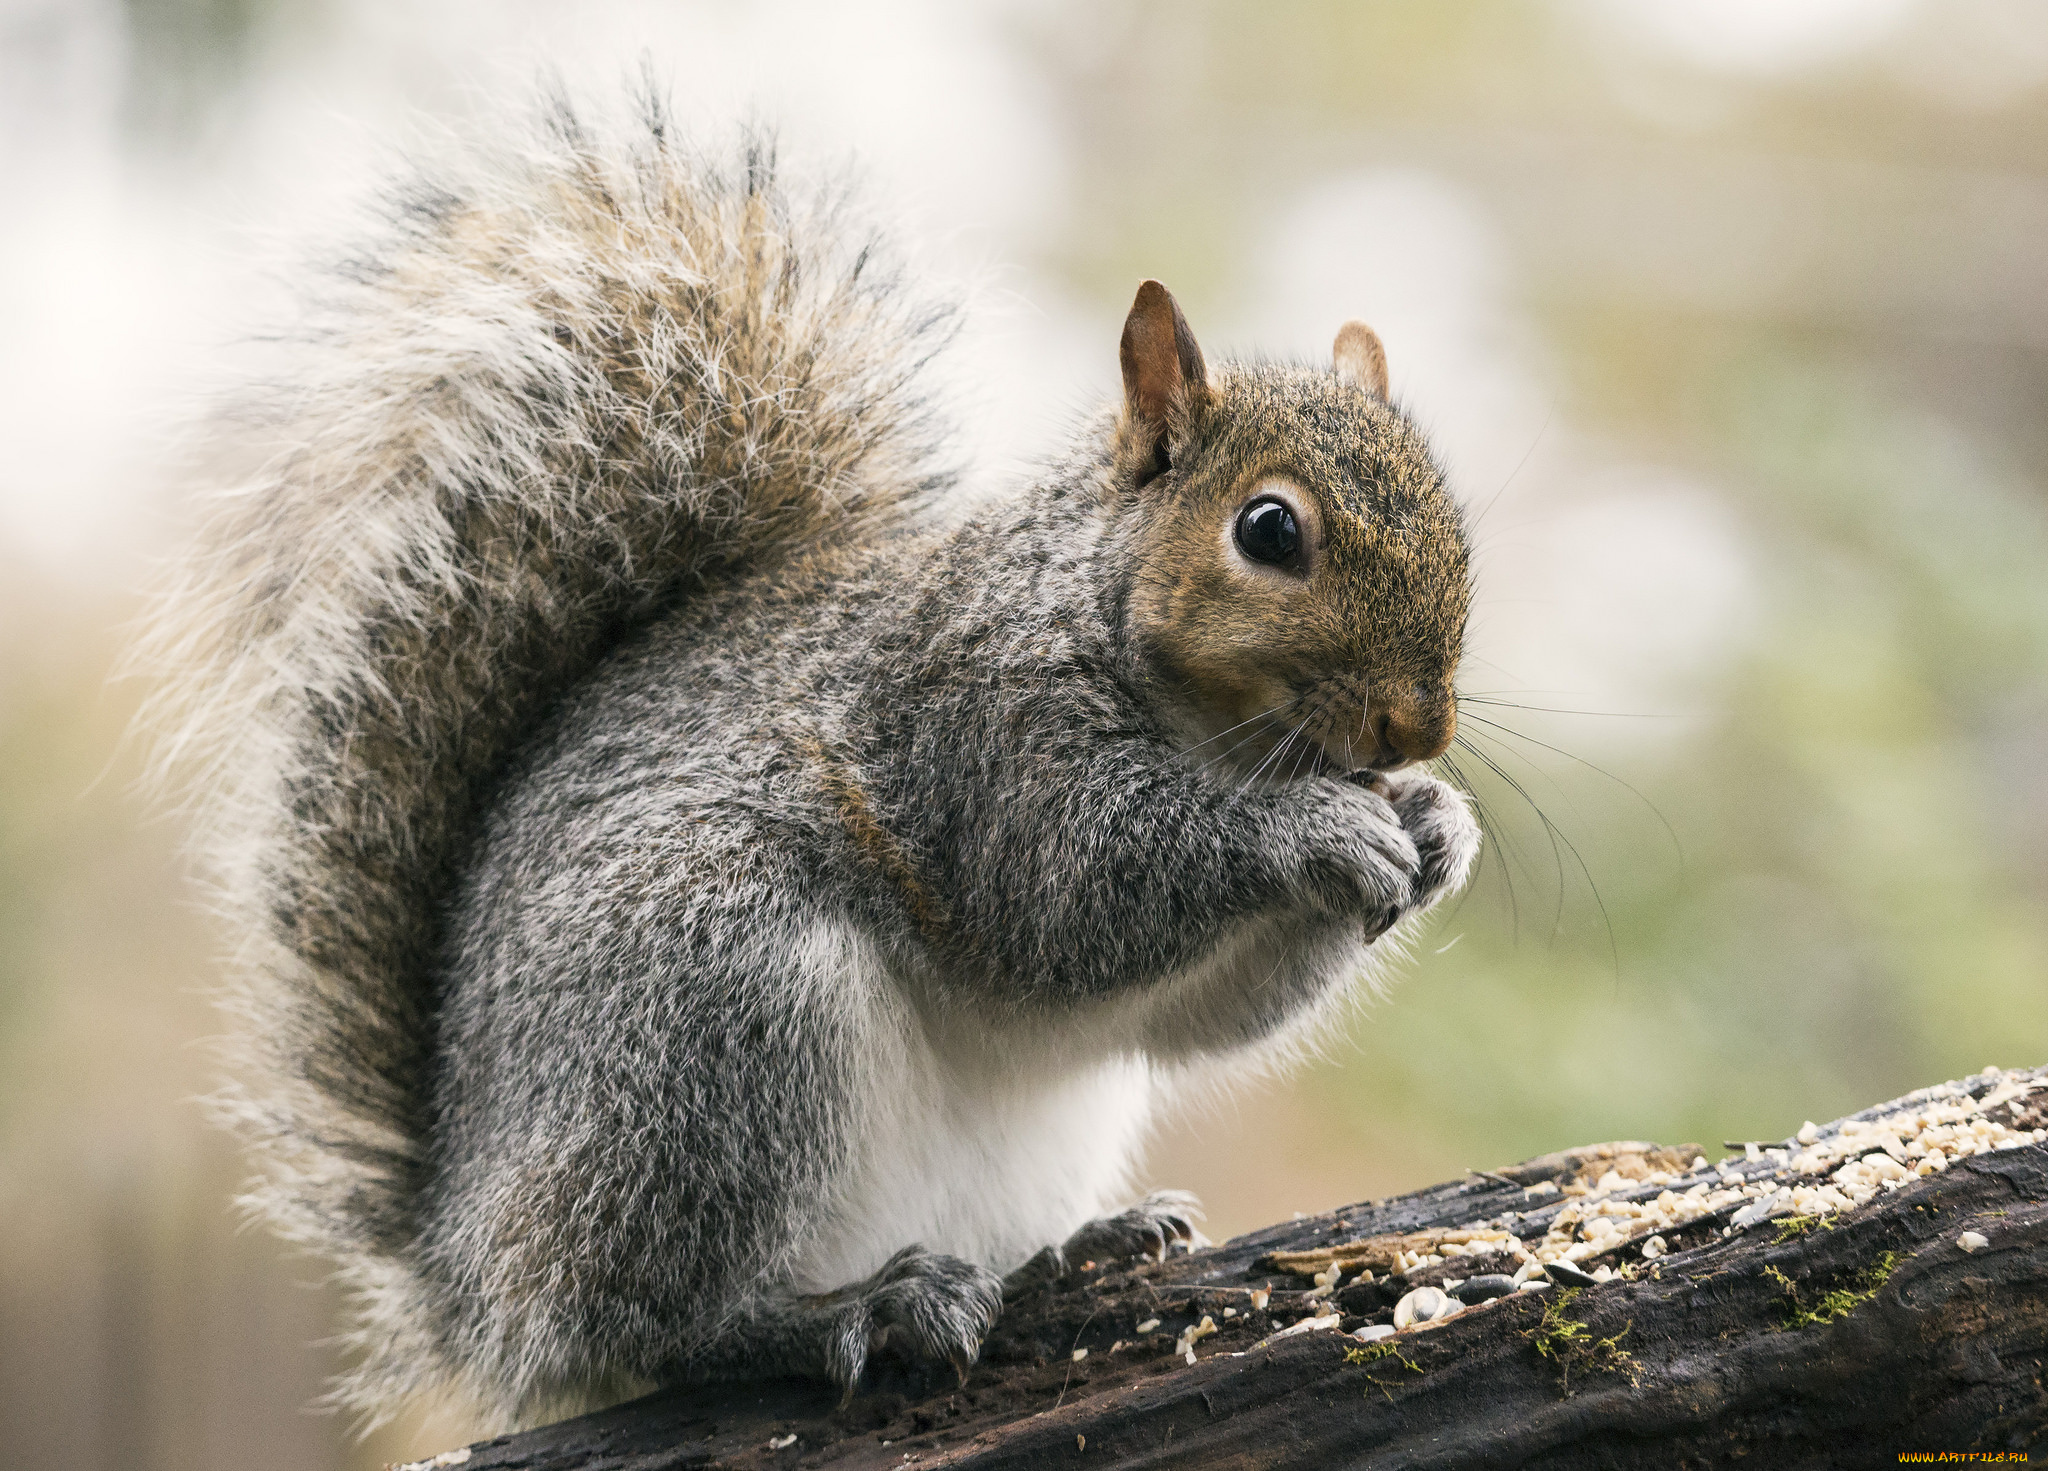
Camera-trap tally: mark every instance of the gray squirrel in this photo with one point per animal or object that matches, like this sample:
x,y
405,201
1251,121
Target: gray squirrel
x,y
709,906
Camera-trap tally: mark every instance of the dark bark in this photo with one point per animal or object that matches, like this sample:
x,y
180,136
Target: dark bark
x,y
1818,1343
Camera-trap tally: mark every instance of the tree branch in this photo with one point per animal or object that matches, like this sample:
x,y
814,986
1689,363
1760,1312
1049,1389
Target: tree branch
x,y
1770,1325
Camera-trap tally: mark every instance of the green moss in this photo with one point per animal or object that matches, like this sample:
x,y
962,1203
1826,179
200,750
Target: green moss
x,y
1373,1353
1838,1302
1572,1345
1790,1228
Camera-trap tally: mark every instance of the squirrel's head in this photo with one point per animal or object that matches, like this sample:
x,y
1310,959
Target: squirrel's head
x,y
1300,578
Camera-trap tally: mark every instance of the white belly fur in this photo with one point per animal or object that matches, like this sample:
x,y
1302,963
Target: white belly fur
x,y
989,1152
988,1174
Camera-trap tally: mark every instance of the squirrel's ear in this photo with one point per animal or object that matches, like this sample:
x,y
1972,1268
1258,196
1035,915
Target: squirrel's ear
x,y
1160,358
1360,360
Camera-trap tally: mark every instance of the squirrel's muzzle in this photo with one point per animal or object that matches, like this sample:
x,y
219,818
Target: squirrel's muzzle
x,y
1382,727
1408,725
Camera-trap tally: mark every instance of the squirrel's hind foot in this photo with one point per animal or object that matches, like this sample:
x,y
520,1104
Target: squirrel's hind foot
x,y
923,1306
1147,1229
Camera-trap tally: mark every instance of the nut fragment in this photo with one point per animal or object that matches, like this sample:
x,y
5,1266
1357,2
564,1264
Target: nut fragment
x,y
1425,1305
1190,1336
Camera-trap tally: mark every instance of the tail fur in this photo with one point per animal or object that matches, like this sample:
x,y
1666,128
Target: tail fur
x,y
570,375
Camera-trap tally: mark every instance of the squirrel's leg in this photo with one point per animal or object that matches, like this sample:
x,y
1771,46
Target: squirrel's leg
x,y
1148,1228
924,1306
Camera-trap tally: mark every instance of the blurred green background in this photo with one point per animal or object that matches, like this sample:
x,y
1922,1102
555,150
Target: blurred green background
x,y
1731,320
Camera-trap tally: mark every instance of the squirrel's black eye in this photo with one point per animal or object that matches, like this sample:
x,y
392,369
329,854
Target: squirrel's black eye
x,y
1266,532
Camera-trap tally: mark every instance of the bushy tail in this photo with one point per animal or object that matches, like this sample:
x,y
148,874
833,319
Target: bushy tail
x,y
570,375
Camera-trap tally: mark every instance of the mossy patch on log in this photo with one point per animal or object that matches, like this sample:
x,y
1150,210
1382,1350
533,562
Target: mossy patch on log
x,y
1837,1303
1571,1344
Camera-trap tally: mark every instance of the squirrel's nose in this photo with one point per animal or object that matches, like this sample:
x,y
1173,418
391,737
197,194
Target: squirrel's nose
x,y
1411,727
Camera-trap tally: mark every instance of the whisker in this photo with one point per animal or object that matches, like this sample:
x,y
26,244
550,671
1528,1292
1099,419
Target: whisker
x,y
1466,699
1486,832
1560,844
1235,746
1501,840
1549,828
1277,709
1272,758
1677,846
1541,431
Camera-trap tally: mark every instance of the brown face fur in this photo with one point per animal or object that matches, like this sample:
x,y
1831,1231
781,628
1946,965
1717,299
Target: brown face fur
x,y
1343,659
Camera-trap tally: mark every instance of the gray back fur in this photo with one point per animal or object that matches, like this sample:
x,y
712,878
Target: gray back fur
x,y
570,374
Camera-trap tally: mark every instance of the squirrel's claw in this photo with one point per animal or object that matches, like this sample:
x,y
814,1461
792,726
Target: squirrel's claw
x,y
1148,1229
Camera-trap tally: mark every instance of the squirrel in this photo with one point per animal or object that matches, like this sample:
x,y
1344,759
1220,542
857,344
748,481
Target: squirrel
x,y
710,902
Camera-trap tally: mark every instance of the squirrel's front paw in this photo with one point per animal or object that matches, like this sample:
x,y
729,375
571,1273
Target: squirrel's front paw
x,y
1439,819
1361,859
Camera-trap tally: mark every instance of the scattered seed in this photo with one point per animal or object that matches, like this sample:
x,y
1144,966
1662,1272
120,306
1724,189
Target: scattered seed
x,y
1777,1203
781,1442
1973,1241
1306,1325
1190,1336
1483,1289
1820,1172
1150,1325
1425,1305
1079,1354
1565,1274
457,1457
